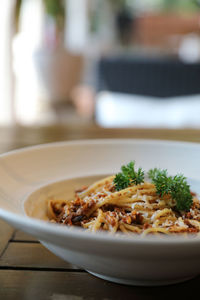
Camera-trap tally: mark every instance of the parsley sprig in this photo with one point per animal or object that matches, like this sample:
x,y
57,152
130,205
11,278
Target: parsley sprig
x,y
176,185
128,176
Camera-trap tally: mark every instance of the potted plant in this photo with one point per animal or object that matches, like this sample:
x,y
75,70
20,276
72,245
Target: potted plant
x,y
40,29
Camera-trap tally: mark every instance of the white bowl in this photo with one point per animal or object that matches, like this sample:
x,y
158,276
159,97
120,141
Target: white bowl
x,y
129,260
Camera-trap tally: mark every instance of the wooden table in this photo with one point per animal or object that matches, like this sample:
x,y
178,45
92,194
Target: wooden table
x,y
29,271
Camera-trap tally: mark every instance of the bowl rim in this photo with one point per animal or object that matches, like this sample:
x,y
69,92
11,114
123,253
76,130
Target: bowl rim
x,y
24,221
99,141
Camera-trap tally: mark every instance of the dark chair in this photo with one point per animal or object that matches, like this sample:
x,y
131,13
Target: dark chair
x,y
158,77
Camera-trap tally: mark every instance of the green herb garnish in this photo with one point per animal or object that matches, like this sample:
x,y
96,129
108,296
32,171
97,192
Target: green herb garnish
x,y
176,186
128,176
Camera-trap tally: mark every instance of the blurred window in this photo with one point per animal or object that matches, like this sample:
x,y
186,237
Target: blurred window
x,y
6,78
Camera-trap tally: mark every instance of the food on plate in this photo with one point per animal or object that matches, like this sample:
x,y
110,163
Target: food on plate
x,y
132,201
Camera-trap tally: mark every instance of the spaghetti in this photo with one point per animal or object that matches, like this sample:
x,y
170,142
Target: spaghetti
x,y
136,209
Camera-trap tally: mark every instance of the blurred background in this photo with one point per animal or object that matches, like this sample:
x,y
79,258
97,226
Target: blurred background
x,y
114,63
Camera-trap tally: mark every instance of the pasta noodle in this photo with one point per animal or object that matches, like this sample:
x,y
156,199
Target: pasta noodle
x,y
136,209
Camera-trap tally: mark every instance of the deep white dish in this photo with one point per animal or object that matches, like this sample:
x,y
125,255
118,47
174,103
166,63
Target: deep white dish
x,y
38,172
